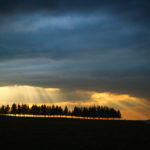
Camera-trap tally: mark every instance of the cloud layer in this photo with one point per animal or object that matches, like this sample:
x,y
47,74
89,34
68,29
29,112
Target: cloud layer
x,y
81,45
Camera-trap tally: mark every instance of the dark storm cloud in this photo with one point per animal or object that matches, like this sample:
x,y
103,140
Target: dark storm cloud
x,y
62,6
133,10
87,45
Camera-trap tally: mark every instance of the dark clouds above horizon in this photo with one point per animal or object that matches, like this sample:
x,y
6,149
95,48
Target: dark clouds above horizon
x,y
76,45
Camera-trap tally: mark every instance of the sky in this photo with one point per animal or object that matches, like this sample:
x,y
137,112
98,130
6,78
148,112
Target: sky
x,y
83,52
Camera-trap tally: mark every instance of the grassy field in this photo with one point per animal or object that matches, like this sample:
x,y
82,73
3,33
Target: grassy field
x,y
73,134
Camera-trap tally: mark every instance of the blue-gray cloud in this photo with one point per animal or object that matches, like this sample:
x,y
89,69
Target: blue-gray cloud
x,y
87,45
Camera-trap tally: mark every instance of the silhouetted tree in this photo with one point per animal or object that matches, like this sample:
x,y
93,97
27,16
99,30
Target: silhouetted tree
x,y
118,114
43,110
19,109
35,110
2,109
7,108
24,109
49,110
66,112
14,109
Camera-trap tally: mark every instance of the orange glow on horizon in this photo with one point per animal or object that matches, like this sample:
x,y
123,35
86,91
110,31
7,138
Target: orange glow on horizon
x,y
133,108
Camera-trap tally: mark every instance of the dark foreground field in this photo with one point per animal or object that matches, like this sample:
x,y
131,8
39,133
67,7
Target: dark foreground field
x,y
73,134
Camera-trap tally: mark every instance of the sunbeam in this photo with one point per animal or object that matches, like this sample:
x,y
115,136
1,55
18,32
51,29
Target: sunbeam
x,y
27,94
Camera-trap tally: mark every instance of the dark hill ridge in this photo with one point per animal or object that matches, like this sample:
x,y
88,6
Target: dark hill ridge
x,y
147,121
73,134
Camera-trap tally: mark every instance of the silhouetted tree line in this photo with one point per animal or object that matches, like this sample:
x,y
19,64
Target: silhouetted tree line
x,y
92,111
